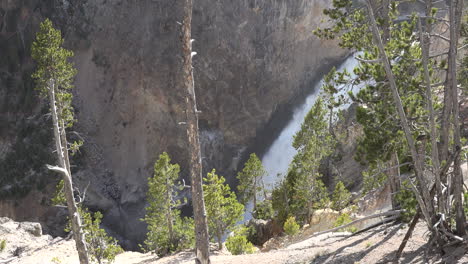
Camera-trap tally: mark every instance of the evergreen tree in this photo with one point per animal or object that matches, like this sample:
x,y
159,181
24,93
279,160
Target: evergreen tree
x,y
340,197
54,76
222,208
313,142
167,230
398,106
251,180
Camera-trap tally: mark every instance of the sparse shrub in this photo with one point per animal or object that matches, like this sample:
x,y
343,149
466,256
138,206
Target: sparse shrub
x,y
264,210
290,226
100,245
2,245
238,243
56,260
344,219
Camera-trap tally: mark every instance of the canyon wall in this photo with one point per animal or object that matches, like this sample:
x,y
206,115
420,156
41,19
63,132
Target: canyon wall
x,y
254,60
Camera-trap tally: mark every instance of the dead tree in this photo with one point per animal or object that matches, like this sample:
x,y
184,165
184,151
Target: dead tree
x,y
66,175
199,213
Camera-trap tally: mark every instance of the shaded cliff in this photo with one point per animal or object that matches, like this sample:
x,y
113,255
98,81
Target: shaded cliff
x,y
255,60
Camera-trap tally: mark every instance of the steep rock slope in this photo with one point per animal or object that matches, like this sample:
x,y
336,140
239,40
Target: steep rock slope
x,y
255,59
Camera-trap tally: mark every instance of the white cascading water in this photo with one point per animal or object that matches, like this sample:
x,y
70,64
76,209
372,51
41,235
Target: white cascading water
x,y
280,154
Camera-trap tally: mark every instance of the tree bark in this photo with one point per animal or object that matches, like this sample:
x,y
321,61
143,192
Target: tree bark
x,y
199,213
408,234
394,179
68,185
426,201
425,43
455,19
220,241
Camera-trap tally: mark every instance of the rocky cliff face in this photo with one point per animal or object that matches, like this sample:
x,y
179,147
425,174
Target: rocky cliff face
x,y
255,59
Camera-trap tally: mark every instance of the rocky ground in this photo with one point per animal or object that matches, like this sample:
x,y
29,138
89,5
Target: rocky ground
x,y
25,245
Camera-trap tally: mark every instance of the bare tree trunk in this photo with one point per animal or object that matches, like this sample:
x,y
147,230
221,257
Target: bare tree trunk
x,y
199,213
394,179
425,201
68,186
386,20
452,85
425,42
220,241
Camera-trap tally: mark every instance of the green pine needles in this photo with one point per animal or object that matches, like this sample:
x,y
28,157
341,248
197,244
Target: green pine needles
x,y
238,244
251,180
167,230
53,68
341,197
100,246
222,208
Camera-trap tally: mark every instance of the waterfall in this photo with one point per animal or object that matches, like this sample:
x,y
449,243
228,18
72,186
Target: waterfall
x,y
280,154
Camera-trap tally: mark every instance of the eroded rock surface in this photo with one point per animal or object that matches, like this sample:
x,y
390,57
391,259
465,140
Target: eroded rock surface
x,y
255,59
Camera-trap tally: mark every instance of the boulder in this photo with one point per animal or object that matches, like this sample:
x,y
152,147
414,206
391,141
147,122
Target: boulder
x,y
262,230
32,228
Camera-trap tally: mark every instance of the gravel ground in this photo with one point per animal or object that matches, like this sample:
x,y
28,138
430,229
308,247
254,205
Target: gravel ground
x,y
374,246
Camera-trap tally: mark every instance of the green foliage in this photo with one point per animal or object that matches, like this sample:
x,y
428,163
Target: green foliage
x,y
263,210
344,219
290,227
407,200
238,243
59,196
341,197
55,260
250,179
314,142
3,244
167,230
463,69
373,177
222,208
280,198
53,68
100,246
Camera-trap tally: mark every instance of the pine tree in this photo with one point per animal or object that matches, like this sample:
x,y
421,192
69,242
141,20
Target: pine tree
x,y
222,208
167,230
313,142
340,197
54,76
251,180
398,106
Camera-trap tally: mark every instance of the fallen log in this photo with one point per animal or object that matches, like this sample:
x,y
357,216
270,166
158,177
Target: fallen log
x,y
388,213
7,260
